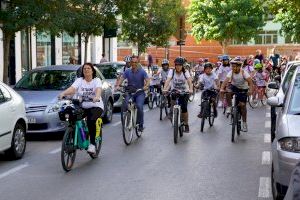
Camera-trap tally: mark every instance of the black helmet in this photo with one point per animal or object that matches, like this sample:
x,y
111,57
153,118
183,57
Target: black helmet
x,y
207,65
179,61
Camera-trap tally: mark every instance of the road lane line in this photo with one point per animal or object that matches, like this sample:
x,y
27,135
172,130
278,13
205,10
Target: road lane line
x,y
267,138
13,170
268,108
55,151
266,158
117,123
264,187
267,124
268,114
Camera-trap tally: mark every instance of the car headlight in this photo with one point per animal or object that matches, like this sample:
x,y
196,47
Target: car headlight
x,y
291,144
57,106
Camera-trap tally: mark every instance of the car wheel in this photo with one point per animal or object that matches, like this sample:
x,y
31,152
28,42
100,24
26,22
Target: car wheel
x,y
18,143
109,112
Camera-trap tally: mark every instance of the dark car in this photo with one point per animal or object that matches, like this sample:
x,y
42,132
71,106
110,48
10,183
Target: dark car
x,y
40,89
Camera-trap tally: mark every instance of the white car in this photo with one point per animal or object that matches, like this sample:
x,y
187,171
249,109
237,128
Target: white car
x,y
13,122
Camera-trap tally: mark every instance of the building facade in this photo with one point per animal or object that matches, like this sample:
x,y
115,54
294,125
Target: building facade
x,y
31,48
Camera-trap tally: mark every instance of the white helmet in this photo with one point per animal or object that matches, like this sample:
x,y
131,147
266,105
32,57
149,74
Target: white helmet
x,y
165,62
127,59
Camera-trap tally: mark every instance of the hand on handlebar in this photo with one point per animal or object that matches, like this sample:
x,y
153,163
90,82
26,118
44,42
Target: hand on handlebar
x,y
96,99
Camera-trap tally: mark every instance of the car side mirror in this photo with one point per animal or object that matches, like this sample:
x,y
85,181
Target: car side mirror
x,y
274,101
273,85
277,78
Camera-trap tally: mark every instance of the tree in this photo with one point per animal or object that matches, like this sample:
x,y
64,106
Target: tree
x,y
151,23
225,21
288,14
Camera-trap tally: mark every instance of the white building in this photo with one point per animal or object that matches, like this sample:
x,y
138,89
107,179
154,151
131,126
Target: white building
x,y
30,49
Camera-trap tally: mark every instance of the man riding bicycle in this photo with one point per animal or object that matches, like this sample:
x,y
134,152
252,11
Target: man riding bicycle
x,y
209,82
224,69
137,78
88,86
241,83
180,80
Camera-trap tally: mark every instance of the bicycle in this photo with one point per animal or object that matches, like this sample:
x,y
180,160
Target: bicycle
x,y
129,117
259,95
163,106
236,116
76,134
208,109
154,96
177,120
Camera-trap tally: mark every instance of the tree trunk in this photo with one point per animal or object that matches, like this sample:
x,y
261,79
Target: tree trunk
x,y
86,41
6,43
225,44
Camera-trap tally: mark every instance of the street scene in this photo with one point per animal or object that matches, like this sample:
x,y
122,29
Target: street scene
x,y
149,99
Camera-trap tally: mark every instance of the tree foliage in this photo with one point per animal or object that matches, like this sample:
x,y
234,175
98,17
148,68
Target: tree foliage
x,y
151,23
224,21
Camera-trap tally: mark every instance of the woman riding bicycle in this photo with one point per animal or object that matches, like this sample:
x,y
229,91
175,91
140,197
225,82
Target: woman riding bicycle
x,y
241,83
88,86
181,81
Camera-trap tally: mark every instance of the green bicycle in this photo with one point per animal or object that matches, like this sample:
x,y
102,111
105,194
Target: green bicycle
x,y
77,134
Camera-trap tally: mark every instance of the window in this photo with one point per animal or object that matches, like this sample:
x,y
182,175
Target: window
x,y
43,49
288,78
71,48
267,37
25,50
4,94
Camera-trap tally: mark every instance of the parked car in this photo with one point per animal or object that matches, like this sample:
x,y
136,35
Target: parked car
x,y
13,122
111,71
286,144
40,89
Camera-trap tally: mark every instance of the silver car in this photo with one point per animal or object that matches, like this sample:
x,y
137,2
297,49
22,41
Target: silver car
x,y
40,89
286,144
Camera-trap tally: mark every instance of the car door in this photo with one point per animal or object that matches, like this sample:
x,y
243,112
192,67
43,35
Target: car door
x,y
6,118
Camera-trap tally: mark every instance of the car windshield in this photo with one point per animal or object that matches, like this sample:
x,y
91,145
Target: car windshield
x,y
295,99
109,72
47,80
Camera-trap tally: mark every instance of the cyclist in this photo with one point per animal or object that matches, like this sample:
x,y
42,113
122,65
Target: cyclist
x,y
180,80
248,67
137,78
163,75
260,79
240,82
209,81
224,69
155,80
88,86
198,69
127,60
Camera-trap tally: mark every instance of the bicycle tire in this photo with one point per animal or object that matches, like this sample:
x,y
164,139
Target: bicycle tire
x,y
253,103
234,124
176,126
238,124
127,129
158,100
150,100
98,146
211,118
68,149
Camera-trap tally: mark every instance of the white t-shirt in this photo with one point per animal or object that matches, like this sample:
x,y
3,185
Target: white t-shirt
x,y
260,78
179,82
249,69
163,74
88,90
155,80
208,80
239,80
223,71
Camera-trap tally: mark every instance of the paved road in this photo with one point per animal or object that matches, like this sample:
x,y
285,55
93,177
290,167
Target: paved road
x,y
201,166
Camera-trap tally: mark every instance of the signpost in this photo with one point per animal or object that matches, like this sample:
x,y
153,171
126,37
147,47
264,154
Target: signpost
x,y
181,33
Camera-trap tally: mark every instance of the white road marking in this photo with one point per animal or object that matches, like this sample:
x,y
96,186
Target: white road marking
x,y
267,138
55,151
268,108
264,187
268,114
117,123
266,158
268,124
13,170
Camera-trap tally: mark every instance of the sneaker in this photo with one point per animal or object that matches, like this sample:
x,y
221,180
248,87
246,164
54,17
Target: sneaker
x,y
141,129
228,110
199,115
186,128
220,104
244,127
91,149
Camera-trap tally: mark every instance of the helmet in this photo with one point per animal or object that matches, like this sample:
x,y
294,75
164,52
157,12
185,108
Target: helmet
x,y
206,59
155,67
200,60
164,62
256,61
237,60
225,57
179,61
258,66
127,58
208,64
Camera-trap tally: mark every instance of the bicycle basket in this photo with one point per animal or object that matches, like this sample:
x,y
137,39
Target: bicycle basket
x,y
75,113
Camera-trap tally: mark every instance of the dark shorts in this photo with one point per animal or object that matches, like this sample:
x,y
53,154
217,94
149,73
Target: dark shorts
x,y
183,102
241,97
93,114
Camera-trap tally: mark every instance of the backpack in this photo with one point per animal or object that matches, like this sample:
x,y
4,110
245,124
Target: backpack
x,y
174,74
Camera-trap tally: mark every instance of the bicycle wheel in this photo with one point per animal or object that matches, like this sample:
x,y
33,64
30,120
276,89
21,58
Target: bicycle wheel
x,y
175,126
161,106
211,118
68,150
253,102
192,96
234,123
98,146
127,127
150,100
158,100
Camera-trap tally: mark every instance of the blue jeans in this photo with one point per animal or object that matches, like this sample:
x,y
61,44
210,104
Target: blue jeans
x,y
139,100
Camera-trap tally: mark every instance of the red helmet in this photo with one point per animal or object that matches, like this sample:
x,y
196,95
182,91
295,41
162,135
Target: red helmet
x,y
200,60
